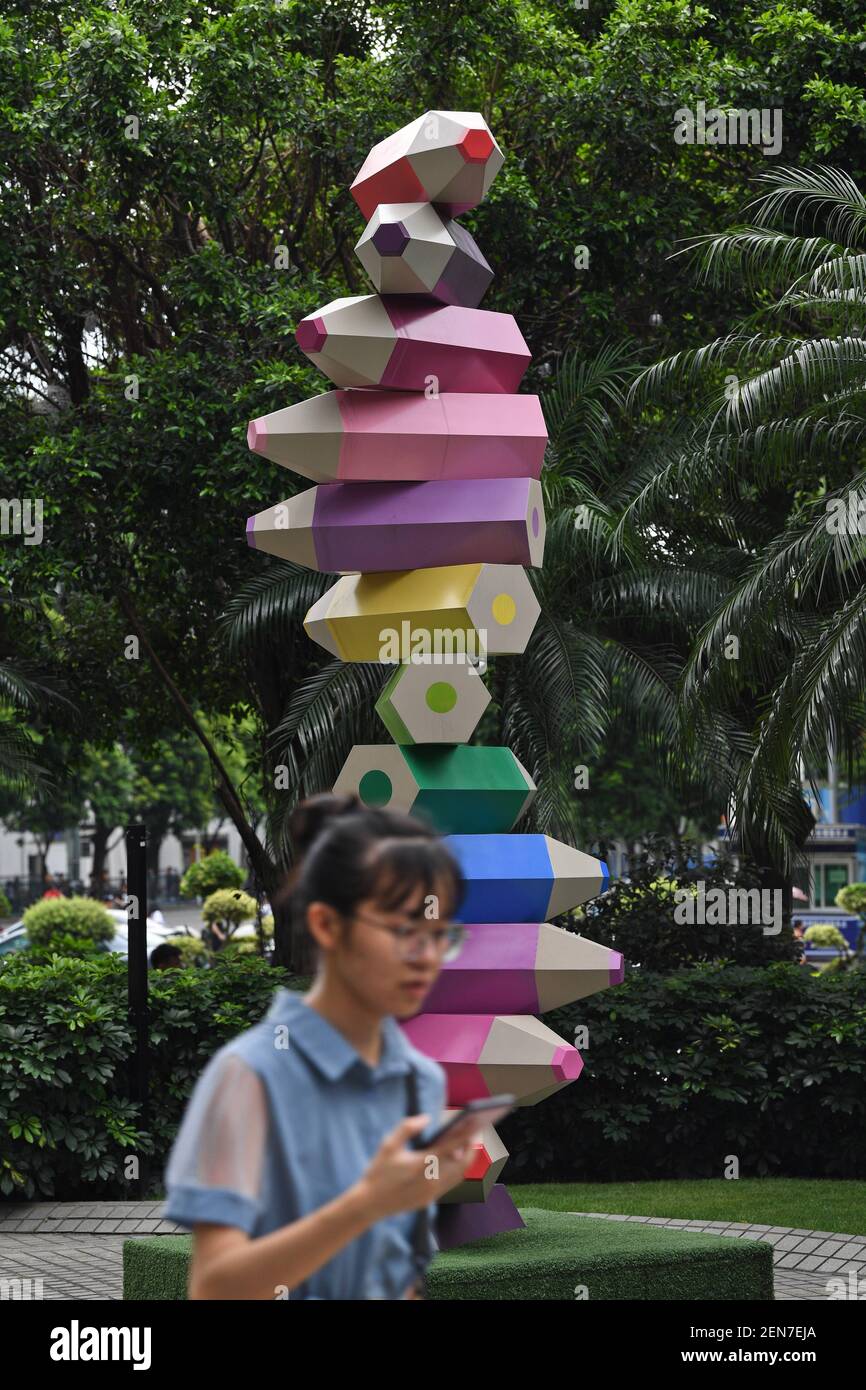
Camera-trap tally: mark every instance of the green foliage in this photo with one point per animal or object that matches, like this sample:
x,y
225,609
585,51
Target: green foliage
x,y
767,473
192,949
825,934
229,907
83,919
216,870
175,198
638,915
5,905
66,1123
852,898
764,1062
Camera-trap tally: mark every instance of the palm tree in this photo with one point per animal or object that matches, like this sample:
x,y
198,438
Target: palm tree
x,y
769,469
583,663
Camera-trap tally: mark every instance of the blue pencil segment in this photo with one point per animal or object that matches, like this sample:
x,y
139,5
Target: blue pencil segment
x,y
508,877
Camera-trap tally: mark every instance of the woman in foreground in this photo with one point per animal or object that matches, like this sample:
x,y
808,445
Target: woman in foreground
x,y
291,1165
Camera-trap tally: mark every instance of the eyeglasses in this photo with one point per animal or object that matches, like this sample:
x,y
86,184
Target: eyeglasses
x,y
411,941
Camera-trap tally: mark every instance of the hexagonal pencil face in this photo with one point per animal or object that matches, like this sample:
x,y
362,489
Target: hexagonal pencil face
x,y
441,615
444,157
405,344
458,788
407,248
429,704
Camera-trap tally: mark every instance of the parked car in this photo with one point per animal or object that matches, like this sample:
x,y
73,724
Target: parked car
x,y
14,937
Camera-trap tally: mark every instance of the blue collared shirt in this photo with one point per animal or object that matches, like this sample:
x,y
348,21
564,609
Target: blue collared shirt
x,y
286,1117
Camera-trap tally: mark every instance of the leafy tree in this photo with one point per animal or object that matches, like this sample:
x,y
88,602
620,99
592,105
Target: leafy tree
x,y
773,465
175,199
216,871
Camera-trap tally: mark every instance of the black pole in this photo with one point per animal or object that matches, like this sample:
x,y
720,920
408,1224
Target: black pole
x,y
136,980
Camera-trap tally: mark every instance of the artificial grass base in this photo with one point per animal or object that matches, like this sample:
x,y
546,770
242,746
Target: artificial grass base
x,y
556,1257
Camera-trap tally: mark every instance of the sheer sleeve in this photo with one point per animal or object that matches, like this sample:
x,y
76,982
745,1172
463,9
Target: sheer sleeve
x,y
216,1166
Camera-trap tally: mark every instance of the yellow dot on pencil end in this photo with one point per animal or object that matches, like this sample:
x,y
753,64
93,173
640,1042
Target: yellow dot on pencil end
x,y
504,609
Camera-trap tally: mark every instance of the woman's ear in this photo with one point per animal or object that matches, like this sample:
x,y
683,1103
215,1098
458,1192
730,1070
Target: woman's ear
x,y
323,924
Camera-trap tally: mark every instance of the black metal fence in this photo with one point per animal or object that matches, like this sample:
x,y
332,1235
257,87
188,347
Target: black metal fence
x,y
162,889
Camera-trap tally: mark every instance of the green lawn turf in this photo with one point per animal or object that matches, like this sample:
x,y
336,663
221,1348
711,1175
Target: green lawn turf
x,y
816,1204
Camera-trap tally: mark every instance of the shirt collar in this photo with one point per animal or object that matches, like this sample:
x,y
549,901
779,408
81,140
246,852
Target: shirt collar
x,y
325,1047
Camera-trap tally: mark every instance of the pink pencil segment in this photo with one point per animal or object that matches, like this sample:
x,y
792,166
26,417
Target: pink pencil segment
x,y
485,1054
388,436
409,344
399,526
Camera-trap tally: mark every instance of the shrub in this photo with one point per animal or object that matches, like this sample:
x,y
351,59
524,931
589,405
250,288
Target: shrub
x,y
249,946
852,898
638,916
216,870
66,1124
229,907
680,1070
77,921
5,905
192,949
825,934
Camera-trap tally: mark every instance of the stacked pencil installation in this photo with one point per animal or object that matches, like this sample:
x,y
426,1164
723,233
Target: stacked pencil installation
x,y
427,502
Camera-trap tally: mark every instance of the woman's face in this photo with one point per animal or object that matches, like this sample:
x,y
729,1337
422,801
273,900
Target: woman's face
x,y
376,959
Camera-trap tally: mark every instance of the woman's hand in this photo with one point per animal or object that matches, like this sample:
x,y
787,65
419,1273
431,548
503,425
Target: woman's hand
x,y
403,1179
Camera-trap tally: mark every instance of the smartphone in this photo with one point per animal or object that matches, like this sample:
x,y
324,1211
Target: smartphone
x,y
490,1110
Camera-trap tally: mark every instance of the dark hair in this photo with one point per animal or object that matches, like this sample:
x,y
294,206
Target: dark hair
x,y
161,955
350,852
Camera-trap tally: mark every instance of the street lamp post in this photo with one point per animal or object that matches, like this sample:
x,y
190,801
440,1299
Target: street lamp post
x,y
136,905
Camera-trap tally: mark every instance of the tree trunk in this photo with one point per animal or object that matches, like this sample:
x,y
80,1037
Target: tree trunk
x,y
101,832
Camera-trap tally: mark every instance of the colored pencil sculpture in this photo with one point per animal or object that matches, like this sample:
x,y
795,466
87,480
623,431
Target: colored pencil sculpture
x,y
427,501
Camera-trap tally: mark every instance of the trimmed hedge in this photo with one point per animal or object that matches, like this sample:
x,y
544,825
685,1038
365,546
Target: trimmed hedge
x,y
66,1125
56,919
683,1070
554,1255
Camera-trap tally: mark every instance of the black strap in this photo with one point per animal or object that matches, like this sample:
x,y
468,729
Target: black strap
x,y
423,1247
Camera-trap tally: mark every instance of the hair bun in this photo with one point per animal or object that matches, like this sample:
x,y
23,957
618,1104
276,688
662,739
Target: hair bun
x,y
312,816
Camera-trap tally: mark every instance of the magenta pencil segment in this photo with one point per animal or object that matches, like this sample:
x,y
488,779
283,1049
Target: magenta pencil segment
x,y
412,344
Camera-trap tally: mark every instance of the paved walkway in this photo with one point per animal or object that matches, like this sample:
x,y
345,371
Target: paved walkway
x,y
76,1248
803,1261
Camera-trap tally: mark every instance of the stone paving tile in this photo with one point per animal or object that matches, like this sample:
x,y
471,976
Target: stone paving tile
x,y
790,1260
851,1251
788,1243
807,1246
